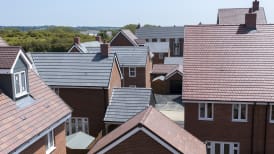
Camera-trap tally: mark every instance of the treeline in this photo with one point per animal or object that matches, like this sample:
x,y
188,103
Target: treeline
x,y
55,39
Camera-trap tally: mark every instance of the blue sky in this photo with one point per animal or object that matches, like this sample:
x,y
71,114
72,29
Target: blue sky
x,y
118,12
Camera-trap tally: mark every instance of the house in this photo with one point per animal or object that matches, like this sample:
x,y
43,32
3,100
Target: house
x,y
32,115
85,81
232,16
173,60
126,38
174,35
149,132
160,50
134,62
167,79
3,42
83,47
126,103
227,87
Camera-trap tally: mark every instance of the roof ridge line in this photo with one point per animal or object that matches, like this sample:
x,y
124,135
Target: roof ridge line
x,y
145,116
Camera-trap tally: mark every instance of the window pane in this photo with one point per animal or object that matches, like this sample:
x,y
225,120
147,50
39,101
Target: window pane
x,y
235,111
226,149
80,125
209,110
23,81
243,111
202,110
17,84
217,148
272,112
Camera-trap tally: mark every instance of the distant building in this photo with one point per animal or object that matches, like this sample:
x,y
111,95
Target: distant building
x,y
174,35
236,16
160,50
149,132
32,116
126,38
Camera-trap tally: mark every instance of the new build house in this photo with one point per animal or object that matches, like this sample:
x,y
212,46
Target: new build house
x,y
149,132
228,86
32,116
84,81
173,35
160,50
126,38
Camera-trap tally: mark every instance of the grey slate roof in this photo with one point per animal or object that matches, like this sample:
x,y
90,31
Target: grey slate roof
x,y
127,56
160,32
173,60
79,140
74,69
127,102
158,47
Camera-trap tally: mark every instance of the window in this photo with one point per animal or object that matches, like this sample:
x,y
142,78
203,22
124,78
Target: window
x,y
205,111
271,114
161,56
222,147
154,40
20,83
239,112
163,40
147,40
77,124
50,142
132,72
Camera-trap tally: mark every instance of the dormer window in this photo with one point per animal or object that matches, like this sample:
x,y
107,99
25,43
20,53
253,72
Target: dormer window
x,y
20,83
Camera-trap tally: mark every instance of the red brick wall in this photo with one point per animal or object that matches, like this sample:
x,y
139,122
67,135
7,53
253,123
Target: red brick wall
x,y
163,87
139,80
221,128
59,139
139,143
89,103
157,60
269,135
120,40
115,81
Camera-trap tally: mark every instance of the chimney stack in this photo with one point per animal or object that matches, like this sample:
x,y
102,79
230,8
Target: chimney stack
x,y
255,6
250,20
98,38
76,40
104,49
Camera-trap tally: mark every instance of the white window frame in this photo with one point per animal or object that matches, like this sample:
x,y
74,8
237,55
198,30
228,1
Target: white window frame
x,y
239,113
84,121
206,116
176,51
129,74
50,148
21,92
132,86
211,146
161,55
270,114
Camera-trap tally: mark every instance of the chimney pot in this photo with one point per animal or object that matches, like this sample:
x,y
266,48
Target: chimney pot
x,y
104,49
76,40
255,6
250,20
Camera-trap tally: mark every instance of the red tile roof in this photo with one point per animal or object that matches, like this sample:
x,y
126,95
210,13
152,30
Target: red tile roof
x,y
7,56
160,125
162,68
229,63
47,109
236,16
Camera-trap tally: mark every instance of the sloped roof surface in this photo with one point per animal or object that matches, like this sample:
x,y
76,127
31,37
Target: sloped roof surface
x,y
19,125
160,32
7,56
158,47
236,16
74,69
163,68
230,63
127,102
160,125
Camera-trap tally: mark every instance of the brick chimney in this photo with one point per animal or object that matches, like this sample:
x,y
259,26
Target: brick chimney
x,y
105,49
76,40
255,6
250,20
98,38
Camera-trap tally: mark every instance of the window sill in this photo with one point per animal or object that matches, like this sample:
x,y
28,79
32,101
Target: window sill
x,y
236,120
50,150
206,119
21,94
271,121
